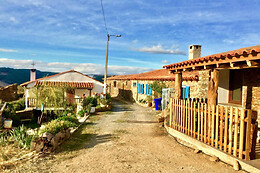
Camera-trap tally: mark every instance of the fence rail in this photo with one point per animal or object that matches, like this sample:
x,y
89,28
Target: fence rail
x,y
32,102
226,128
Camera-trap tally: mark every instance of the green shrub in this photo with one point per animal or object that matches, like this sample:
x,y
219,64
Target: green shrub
x,y
56,126
89,100
82,113
3,138
19,135
72,119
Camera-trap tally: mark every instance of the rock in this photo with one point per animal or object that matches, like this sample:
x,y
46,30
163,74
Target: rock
x,y
236,165
160,119
67,134
197,151
214,159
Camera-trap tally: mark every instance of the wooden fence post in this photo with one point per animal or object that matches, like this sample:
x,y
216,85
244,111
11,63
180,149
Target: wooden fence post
x,y
248,134
178,85
213,87
170,118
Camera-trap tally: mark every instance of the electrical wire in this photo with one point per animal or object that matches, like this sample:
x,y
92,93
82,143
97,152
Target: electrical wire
x,y
104,16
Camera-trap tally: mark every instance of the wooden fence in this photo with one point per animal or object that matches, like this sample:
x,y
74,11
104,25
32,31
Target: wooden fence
x,y
226,128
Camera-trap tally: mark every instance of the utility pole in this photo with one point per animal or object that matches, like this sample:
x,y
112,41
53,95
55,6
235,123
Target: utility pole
x,y
105,75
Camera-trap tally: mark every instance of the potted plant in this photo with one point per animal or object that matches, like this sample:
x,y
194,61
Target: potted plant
x,y
149,99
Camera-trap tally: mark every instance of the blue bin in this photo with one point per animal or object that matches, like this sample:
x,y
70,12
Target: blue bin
x,y
158,103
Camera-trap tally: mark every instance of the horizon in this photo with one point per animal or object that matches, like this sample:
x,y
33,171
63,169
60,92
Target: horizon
x,y
63,35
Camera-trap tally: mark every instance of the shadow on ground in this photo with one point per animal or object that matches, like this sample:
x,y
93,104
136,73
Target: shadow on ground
x,y
85,137
142,122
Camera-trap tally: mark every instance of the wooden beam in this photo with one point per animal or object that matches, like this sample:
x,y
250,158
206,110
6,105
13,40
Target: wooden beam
x,y
213,87
178,85
249,63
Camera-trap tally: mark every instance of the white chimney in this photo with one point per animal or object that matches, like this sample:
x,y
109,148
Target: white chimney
x,y
32,74
194,51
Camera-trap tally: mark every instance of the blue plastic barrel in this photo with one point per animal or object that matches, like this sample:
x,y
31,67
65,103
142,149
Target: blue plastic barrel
x,y
158,103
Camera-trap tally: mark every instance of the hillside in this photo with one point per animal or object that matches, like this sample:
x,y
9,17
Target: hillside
x,y
10,75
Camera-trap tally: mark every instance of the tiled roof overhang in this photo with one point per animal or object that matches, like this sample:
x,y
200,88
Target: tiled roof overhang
x,y
237,59
157,75
87,85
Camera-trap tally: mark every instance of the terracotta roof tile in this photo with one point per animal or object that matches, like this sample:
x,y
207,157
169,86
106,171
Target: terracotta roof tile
x,y
87,85
220,56
161,74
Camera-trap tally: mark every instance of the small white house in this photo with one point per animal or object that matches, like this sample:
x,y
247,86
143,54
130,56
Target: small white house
x,y
79,83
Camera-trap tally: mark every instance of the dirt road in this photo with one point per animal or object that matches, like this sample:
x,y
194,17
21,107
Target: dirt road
x,y
130,140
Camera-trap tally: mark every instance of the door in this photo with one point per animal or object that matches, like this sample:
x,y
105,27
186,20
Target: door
x,y
235,86
70,96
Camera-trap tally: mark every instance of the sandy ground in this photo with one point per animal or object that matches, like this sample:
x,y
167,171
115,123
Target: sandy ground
x,y
130,140
127,140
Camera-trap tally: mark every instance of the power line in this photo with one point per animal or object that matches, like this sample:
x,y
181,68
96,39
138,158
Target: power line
x,y
104,16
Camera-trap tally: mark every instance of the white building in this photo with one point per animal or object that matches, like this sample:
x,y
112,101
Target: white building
x,y
79,83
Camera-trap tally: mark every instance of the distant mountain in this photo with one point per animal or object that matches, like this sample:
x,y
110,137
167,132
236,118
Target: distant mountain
x,y
19,76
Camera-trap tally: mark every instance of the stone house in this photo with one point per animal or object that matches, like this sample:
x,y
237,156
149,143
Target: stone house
x,y
234,77
79,84
136,87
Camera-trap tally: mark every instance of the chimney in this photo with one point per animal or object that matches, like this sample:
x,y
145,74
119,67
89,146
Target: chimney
x,y
32,74
194,51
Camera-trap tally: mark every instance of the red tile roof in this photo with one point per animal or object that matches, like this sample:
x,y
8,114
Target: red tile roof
x,y
87,85
225,57
26,83
161,74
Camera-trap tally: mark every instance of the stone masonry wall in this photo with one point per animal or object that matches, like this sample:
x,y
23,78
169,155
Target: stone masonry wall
x,y
8,93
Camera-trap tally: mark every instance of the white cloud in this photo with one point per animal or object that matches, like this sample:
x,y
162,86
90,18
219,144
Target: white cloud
x,y
159,49
87,68
13,19
165,61
7,50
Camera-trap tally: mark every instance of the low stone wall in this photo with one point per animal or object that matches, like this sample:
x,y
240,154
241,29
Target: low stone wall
x,y
9,93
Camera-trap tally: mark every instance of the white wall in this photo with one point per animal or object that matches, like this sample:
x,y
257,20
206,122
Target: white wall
x,y
80,92
223,87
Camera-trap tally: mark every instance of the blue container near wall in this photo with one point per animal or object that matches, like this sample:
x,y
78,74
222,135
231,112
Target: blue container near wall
x,y
158,103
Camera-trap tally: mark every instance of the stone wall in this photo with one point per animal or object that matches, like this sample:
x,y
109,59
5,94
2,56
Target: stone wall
x,y
9,93
120,86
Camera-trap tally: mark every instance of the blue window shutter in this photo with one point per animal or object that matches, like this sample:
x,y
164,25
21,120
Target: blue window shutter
x,y
183,89
138,88
187,92
146,89
150,91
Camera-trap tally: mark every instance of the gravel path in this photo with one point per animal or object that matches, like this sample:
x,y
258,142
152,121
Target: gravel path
x,y
130,140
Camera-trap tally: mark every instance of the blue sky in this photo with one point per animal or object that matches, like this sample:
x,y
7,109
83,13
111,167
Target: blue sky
x,y
61,35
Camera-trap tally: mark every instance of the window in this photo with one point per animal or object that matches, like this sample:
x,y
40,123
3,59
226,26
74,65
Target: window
x,y
134,84
114,83
185,92
140,88
125,83
235,86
